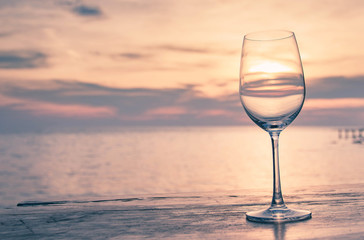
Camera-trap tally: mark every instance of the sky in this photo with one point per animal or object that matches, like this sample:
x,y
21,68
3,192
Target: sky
x,y
113,63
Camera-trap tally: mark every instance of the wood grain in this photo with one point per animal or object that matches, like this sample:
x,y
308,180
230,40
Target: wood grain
x,y
337,214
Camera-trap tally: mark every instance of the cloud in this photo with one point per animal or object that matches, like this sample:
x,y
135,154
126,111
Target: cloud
x,y
331,117
19,59
66,111
14,3
336,87
171,111
336,103
66,103
43,108
73,100
5,34
130,55
183,49
150,59
194,50
87,11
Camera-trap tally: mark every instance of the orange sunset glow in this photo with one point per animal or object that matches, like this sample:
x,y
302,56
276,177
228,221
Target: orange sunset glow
x,y
126,62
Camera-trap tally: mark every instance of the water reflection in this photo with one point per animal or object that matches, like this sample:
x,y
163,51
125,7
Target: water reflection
x,y
170,160
279,230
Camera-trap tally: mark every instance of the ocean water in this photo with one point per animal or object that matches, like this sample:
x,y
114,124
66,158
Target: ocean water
x,y
146,160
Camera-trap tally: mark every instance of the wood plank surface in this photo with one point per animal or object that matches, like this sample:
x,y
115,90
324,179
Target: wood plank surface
x,y
338,213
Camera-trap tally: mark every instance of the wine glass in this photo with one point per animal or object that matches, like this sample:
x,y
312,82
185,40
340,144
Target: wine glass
x,y
272,91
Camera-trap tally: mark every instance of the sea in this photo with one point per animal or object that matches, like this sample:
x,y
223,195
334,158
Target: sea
x,y
132,161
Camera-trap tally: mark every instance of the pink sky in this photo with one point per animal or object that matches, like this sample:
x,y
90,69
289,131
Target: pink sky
x,y
187,48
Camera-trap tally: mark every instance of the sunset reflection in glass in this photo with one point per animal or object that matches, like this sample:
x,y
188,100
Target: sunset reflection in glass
x,y
272,91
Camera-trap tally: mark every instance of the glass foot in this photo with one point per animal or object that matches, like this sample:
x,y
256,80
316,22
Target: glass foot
x,y
278,215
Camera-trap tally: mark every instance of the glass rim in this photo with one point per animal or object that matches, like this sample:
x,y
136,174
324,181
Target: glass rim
x,y
269,35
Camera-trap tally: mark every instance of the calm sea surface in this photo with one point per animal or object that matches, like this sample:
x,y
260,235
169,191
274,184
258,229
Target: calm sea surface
x,y
147,160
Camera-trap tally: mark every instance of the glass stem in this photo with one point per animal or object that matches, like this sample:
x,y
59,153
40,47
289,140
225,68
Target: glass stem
x,y
277,199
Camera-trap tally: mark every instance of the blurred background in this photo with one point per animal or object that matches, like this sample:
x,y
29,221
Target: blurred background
x,y
87,64
130,97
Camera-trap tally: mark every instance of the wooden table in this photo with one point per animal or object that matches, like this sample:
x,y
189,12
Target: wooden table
x,y
338,213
